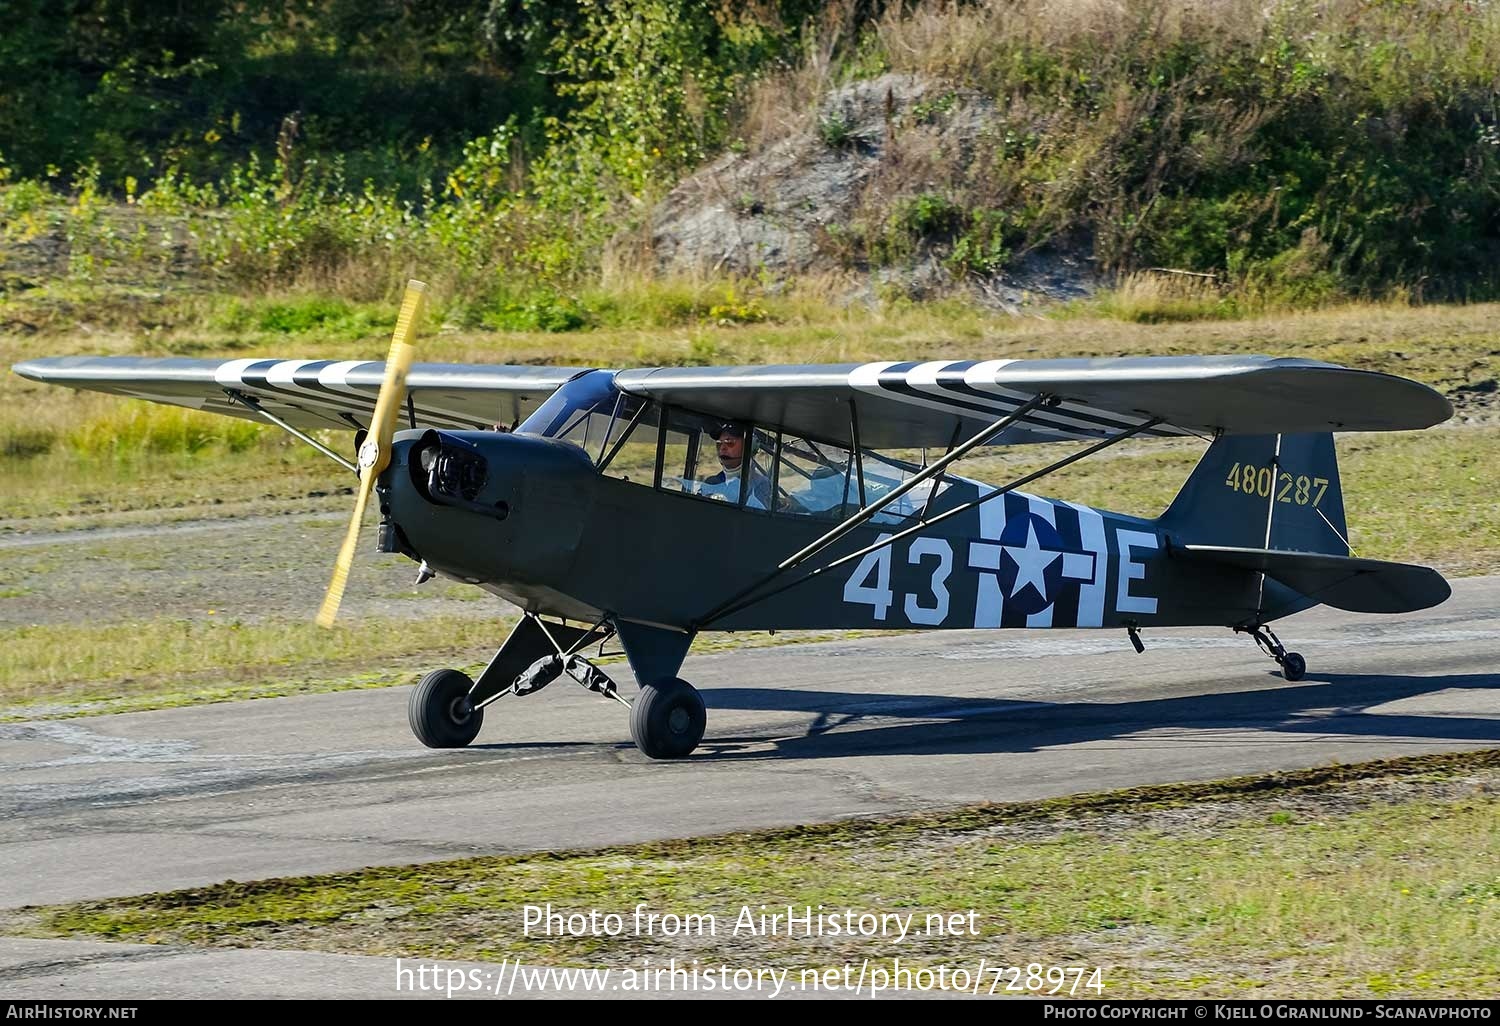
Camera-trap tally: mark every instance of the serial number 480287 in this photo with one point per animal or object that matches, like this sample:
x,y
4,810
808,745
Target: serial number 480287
x,y
1298,489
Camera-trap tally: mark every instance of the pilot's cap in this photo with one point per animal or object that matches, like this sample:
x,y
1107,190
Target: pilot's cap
x,y
728,428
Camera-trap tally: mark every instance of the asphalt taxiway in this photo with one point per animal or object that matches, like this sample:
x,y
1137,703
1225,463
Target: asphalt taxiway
x,y
121,804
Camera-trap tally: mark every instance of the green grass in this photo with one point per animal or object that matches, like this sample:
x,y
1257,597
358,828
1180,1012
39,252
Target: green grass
x,y
1334,882
306,316
69,488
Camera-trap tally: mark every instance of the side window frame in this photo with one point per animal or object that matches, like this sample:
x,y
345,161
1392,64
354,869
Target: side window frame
x,y
610,455
698,460
847,476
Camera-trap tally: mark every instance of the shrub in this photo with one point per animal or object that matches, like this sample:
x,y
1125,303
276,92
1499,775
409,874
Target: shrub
x,y
534,311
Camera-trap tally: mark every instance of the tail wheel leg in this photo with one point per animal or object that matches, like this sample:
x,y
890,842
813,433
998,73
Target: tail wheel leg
x,y
667,719
1293,666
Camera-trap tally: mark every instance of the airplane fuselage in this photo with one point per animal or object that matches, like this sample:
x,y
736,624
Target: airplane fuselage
x,y
549,533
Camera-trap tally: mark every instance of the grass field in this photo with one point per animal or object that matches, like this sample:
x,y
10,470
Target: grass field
x,y
1334,882
53,672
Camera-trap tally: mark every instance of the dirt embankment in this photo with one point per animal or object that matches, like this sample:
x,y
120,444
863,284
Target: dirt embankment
x,y
788,209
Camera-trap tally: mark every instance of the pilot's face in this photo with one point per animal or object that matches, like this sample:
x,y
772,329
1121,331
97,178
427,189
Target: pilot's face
x,y
731,450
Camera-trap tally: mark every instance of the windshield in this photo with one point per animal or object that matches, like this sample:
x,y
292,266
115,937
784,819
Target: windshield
x,y
579,412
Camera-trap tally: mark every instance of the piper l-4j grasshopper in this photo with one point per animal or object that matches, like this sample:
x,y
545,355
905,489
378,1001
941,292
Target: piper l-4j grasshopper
x,y
650,505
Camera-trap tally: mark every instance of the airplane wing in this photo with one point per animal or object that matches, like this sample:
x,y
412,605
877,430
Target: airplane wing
x,y
313,393
898,405
905,405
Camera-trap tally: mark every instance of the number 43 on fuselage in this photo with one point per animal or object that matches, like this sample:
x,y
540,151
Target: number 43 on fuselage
x,y
651,505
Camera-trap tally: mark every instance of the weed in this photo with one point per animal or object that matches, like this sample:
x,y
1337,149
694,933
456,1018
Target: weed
x,y
836,129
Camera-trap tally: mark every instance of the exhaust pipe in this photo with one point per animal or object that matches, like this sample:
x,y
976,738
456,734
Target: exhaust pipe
x,y
449,471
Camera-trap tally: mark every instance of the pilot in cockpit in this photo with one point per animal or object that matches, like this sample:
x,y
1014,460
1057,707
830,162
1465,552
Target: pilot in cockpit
x,y
725,484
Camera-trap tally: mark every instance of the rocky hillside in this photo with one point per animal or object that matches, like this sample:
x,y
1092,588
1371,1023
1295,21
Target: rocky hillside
x,y
791,209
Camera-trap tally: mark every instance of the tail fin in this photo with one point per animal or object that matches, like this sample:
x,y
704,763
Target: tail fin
x,y
1263,492
1272,505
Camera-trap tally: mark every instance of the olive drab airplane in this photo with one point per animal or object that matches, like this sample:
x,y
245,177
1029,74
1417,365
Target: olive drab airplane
x,y
647,506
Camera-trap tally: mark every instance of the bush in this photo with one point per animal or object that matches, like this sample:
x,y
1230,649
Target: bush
x,y
324,316
536,311
137,428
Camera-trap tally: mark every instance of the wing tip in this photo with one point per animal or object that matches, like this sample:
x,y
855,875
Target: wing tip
x,y
35,370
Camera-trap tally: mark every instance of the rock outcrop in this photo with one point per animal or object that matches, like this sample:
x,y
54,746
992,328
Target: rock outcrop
x,y
787,210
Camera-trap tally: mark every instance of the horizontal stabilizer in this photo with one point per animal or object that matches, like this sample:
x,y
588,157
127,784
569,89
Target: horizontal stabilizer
x,y
1344,582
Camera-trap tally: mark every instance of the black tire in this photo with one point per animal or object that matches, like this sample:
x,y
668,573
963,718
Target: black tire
x,y
439,710
1293,666
667,719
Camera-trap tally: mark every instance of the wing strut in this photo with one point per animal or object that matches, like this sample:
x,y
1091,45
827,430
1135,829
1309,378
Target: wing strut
x,y
251,403
989,431
748,597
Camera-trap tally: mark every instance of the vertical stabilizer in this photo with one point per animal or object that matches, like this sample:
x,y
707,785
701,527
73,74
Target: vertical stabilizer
x,y
1263,492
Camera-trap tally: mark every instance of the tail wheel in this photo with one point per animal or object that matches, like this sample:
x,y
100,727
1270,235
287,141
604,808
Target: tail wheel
x,y
440,712
667,719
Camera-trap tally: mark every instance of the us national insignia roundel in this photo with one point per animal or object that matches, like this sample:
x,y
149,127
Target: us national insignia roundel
x,y
1041,563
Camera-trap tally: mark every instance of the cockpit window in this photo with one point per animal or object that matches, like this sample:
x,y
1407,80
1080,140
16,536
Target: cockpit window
x,y
631,444
884,475
724,460
713,458
813,480
819,480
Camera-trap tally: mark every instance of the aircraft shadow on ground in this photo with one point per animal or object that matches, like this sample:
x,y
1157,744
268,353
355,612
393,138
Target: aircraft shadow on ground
x,y
1332,705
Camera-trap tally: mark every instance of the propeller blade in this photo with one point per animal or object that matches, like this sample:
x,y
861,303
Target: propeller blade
x,y
335,593
375,452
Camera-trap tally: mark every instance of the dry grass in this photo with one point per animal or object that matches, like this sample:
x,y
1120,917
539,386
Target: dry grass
x,y
784,105
963,41
102,662
1155,297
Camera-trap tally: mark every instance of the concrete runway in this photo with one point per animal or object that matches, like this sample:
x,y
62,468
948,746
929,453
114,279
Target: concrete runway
x,y
137,802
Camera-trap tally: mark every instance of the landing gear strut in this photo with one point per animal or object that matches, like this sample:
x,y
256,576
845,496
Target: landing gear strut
x,y
667,718
1293,666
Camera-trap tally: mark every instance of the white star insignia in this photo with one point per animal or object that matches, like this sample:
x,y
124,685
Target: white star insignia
x,y
1032,562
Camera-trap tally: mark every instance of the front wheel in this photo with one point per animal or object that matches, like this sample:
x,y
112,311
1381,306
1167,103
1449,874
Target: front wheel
x,y
667,719
440,712
1293,666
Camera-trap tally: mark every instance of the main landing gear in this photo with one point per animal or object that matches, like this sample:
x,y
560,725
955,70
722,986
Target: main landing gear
x,y
440,712
667,718
1293,666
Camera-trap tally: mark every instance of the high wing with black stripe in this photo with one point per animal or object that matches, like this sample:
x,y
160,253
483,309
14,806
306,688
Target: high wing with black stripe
x,y
901,405
313,393
895,405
